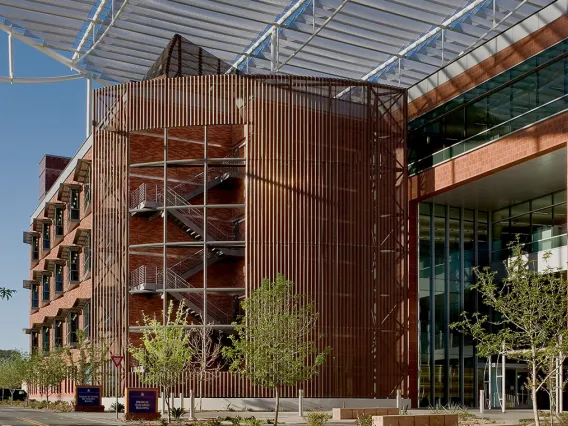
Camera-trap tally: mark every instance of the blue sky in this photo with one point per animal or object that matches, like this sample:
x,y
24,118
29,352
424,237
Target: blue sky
x,y
35,119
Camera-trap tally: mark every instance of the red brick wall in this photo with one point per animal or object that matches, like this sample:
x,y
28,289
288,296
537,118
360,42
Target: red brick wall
x,y
508,151
490,67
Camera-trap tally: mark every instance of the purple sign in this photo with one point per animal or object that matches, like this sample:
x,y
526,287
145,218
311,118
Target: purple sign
x,y
88,396
142,401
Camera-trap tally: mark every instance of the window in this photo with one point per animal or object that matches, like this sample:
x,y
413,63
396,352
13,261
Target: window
x,y
74,211
87,189
46,237
87,320
45,339
87,255
59,278
35,249
45,288
35,297
58,222
35,342
58,334
73,266
72,327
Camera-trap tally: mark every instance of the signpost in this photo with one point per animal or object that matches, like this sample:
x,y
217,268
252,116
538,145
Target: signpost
x,y
117,361
142,404
88,398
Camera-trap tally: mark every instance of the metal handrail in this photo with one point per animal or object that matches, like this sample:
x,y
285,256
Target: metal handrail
x,y
153,275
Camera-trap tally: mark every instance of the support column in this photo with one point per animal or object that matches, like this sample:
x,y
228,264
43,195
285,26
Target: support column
x,y
273,51
89,124
10,57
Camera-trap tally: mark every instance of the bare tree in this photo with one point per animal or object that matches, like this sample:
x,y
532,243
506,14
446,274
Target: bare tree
x,y
206,361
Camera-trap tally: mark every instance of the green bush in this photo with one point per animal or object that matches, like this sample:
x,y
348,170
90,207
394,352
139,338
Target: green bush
x,y
364,420
120,407
252,421
317,418
176,413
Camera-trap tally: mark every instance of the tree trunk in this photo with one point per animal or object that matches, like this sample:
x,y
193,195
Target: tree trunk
x,y
200,390
277,394
533,391
167,396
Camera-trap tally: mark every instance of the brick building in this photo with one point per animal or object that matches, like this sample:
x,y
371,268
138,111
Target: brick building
x,y
377,200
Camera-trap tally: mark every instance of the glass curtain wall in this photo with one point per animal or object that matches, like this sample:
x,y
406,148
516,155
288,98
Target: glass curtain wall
x,y
529,92
540,224
452,241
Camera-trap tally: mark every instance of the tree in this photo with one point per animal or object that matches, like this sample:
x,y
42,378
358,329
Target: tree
x,y
206,362
275,344
5,293
165,353
12,372
47,370
531,314
86,361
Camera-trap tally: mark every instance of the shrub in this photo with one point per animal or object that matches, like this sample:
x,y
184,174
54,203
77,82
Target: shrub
x,y
120,407
317,418
252,421
176,413
364,420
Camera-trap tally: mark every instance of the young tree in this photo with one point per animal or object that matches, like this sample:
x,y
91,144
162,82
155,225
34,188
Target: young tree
x,y
275,343
12,371
165,353
86,361
531,314
206,362
47,371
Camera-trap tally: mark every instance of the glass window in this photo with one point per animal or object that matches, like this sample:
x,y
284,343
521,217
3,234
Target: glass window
x,y
559,220
59,278
58,333
87,190
45,339
74,266
35,296
87,256
74,211
35,342
59,222
46,237
87,320
72,327
35,249
491,110
46,288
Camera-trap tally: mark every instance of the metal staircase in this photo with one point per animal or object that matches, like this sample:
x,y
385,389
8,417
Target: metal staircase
x,y
149,279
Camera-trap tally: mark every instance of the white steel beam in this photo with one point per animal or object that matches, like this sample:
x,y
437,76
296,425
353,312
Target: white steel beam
x,y
105,32
266,34
423,39
10,57
41,79
90,28
315,33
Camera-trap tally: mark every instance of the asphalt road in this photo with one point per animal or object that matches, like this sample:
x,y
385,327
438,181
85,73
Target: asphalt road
x,y
16,416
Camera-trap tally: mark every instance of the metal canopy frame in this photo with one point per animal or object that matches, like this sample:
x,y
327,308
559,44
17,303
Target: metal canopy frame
x,y
397,42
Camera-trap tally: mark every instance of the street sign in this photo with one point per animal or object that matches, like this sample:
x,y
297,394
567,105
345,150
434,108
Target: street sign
x,y
117,360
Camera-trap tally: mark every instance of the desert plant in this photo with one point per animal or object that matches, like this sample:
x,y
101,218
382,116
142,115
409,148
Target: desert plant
x,y
252,421
177,412
364,420
317,418
120,407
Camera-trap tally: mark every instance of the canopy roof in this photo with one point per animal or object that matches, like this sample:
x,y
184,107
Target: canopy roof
x,y
396,42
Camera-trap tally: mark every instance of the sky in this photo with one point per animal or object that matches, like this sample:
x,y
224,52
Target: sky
x,y
35,119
